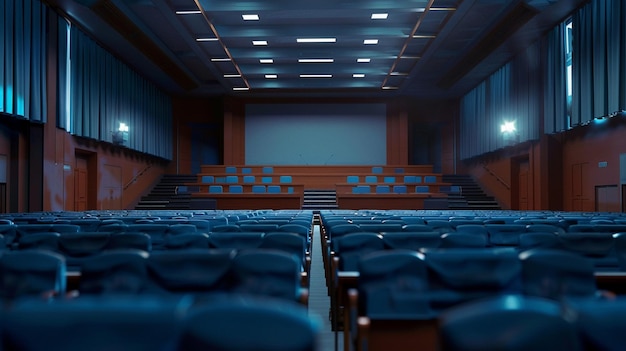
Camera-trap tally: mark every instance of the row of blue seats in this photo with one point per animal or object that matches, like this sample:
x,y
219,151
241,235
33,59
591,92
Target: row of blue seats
x,y
232,322
43,273
246,179
439,289
255,189
396,189
408,179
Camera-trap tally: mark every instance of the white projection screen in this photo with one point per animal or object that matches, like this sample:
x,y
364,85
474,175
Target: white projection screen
x,y
316,134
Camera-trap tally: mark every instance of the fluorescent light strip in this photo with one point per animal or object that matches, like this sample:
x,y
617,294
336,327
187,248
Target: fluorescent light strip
x,y
379,16
398,74
190,12
240,88
370,41
232,76
390,88
259,42
363,60
271,76
424,36
250,17
266,60
443,9
206,39
358,75
316,76
220,60
316,40
316,60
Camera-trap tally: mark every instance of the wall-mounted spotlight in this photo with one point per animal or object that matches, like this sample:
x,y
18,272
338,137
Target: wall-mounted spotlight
x,y
120,136
509,132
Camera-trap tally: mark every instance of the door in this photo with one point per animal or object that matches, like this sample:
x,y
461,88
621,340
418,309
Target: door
x,y
81,184
523,177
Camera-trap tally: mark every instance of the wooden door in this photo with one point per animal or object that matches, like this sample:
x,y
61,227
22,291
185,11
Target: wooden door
x,y
81,184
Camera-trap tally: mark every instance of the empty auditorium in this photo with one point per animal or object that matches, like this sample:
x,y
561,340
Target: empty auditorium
x,y
329,175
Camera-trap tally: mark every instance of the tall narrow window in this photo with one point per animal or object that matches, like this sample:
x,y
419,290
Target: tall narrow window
x,y
568,66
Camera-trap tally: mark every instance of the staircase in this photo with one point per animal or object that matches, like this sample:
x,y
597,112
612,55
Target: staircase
x,y
319,200
471,197
164,196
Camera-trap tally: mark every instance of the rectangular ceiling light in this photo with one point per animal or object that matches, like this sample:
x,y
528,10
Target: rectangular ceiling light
x,y
316,76
363,60
316,60
259,42
225,59
266,60
398,74
417,36
271,76
250,17
358,75
190,12
316,40
232,76
390,88
240,88
379,16
206,39
370,41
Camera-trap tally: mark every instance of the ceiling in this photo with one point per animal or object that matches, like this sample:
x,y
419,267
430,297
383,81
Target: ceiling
x,y
420,48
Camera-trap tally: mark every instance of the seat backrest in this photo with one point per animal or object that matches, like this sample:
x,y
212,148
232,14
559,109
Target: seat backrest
x,y
121,271
412,240
393,285
137,241
38,273
462,274
508,322
187,241
556,274
236,240
269,324
267,272
83,244
191,271
351,247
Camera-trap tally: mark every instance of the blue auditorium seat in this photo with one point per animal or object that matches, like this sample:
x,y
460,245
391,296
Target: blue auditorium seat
x,y
268,170
389,179
35,273
232,179
422,189
371,179
115,272
273,189
258,189
230,169
399,189
507,322
207,179
352,179
285,179
377,170
383,189
249,179
430,179
267,180
235,189
269,324
215,189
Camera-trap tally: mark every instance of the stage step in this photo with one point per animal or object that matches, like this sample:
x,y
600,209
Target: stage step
x,y
319,199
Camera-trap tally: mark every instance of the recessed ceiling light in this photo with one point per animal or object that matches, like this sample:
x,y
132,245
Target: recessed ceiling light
x,y
443,9
266,60
240,88
410,57
232,76
379,16
316,40
271,76
206,39
259,42
316,60
316,76
219,59
190,12
370,41
398,74
250,17
363,60
389,88
358,75
424,36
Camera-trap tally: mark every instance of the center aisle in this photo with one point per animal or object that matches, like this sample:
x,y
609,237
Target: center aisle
x,y
319,301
